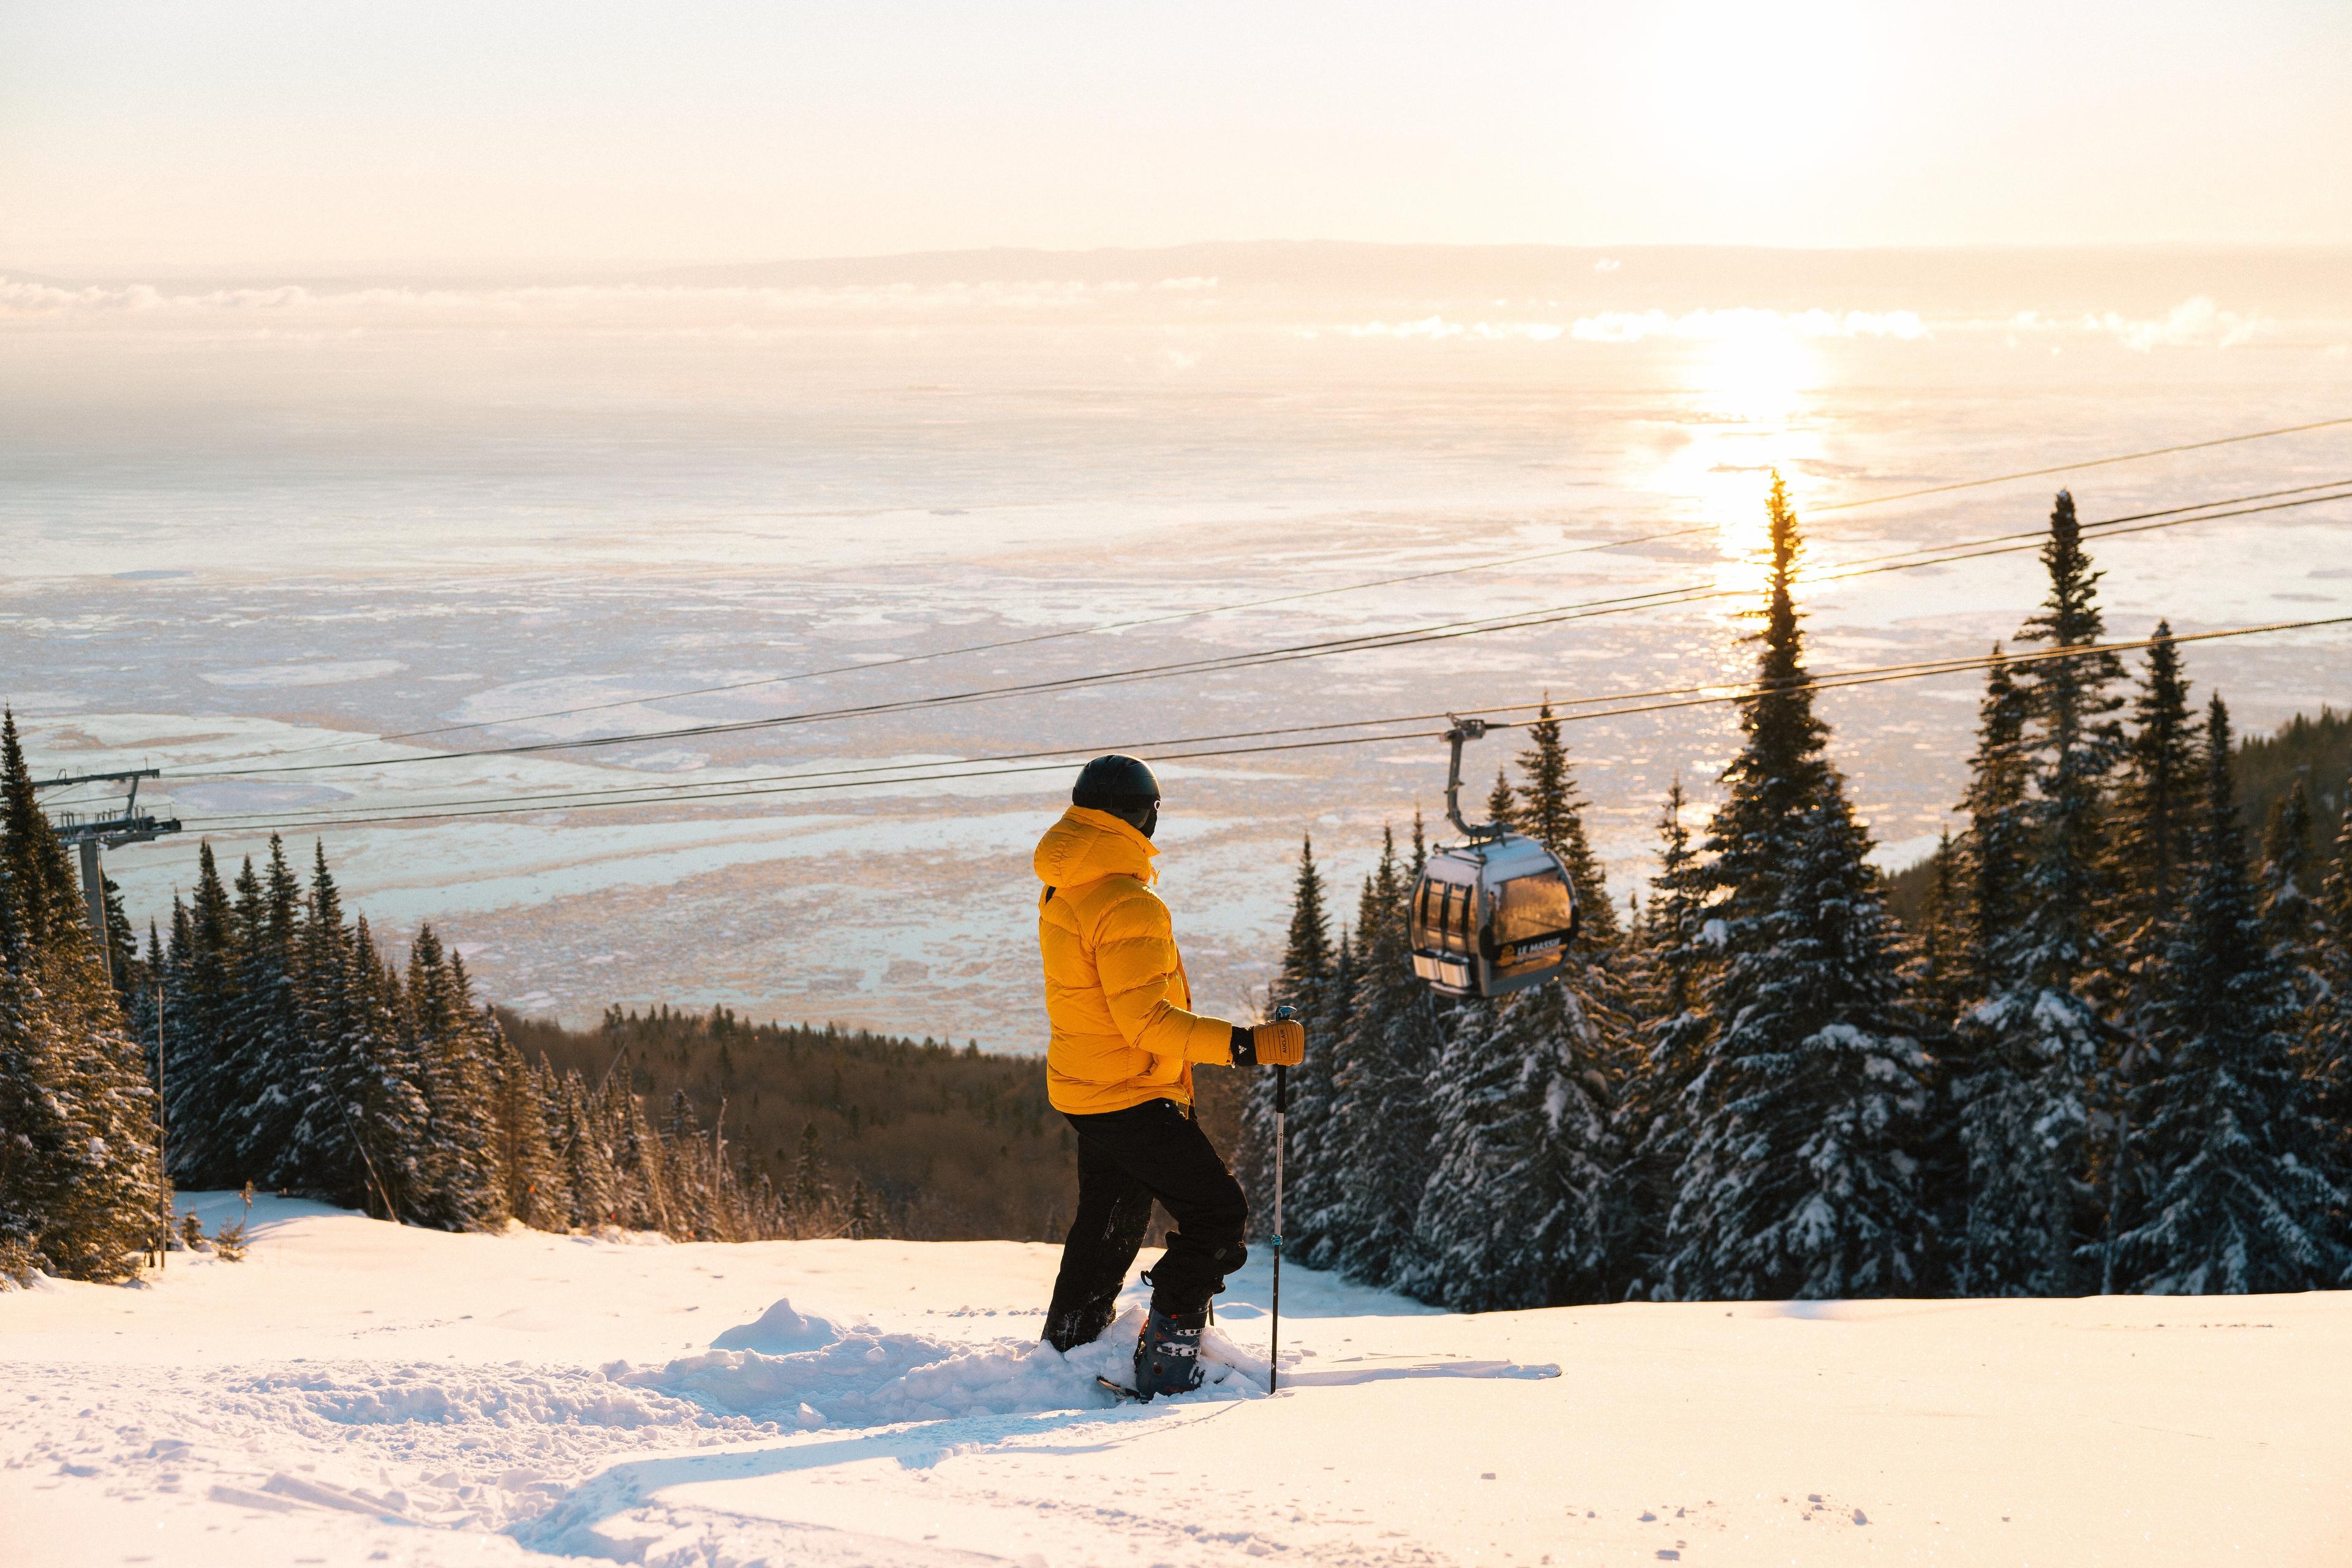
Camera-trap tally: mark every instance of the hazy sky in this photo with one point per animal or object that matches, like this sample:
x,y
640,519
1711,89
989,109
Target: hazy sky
x,y
145,136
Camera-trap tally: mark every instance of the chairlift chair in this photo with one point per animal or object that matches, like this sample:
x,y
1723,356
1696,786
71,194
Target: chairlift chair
x,y
1495,913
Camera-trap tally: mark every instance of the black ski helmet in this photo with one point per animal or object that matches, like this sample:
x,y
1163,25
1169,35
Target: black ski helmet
x,y
1122,787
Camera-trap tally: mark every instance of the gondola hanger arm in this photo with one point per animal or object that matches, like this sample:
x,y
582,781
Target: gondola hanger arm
x,y
1463,729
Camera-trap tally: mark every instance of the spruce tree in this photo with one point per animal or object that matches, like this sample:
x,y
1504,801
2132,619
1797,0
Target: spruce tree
x,y
1376,1159
1654,1116
266,1026
530,1183
641,1177
1553,816
2042,1053
2156,800
2233,1202
202,999
80,1194
1304,982
2325,1049
460,1188
1800,1178
1503,802
1999,838
2292,920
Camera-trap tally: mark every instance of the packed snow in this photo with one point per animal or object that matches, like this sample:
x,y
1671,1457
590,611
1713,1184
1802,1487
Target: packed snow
x,y
357,1392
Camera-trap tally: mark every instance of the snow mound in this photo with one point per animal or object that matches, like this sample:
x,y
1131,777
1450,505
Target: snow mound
x,y
444,1396
780,1330
864,1379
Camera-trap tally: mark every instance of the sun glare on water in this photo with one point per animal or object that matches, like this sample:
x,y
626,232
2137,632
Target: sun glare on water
x,y
1745,390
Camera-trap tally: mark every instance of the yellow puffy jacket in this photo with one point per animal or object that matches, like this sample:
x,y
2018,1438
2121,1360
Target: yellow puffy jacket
x,y
1115,987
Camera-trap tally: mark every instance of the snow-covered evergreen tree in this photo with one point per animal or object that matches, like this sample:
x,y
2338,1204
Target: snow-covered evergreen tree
x,y
266,1031
2040,1045
2234,1203
2293,924
2156,804
579,1143
1801,1179
530,1183
1304,982
80,1191
203,1086
1551,812
2324,1052
1654,1115
1378,1149
457,1155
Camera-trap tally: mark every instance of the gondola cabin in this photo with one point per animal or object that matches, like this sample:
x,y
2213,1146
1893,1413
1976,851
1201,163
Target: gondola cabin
x,y
1491,917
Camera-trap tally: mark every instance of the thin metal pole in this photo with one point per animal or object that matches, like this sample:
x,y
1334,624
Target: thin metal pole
x,y
1281,1113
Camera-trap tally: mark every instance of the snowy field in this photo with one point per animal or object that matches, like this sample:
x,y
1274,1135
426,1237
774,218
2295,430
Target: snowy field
x,y
357,1392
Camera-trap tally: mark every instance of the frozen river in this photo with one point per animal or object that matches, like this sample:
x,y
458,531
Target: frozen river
x,y
265,527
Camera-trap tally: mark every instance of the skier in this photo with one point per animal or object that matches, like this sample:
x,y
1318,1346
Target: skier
x,y
1119,1065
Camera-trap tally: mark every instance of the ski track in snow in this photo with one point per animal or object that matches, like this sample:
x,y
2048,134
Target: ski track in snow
x,y
488,1447
347,1396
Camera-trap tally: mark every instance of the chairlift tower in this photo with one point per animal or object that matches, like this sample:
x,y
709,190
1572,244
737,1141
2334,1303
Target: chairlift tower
x,y
90,834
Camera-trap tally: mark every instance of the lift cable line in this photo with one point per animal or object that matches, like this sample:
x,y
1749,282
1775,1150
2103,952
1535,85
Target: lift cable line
x,y
1518,620
656,793
1278,599
970,768
2086,463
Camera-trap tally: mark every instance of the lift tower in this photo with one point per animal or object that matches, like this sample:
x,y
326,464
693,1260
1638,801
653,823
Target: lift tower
x,y
90,834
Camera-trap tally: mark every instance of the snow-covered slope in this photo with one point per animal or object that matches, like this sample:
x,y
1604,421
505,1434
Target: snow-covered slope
x,y
357,1392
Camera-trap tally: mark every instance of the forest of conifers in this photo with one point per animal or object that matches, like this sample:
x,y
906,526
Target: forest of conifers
x,y
2106,1048
2112,1050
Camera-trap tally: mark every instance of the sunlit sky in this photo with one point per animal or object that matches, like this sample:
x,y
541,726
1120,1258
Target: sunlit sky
x,y
145,135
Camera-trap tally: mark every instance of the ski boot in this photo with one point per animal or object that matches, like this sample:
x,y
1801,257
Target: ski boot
x,y
1168,1354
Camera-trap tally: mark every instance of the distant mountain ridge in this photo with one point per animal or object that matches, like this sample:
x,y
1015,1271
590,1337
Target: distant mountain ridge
x,y
1990,280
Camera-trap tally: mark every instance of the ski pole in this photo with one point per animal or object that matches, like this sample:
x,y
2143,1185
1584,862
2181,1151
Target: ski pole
x,y
1281,1111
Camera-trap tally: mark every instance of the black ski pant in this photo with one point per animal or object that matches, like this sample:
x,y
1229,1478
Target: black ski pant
x,y
1126,1158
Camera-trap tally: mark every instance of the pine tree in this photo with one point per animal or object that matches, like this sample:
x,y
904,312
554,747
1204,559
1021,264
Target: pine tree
x,y
1553,816
640,1172
1375,1160
2324,1052
271,1053
2000,835
1503,802
80,1194
2233,1202
579,1144
205,1091
1304,982
1654,1115
460,1190
1801,1180
812,1190
530,1182
2042,1053
2155,803
2293,924
860,1220
1937,977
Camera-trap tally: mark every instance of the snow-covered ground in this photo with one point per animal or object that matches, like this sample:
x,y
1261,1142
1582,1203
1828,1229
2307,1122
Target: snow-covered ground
x,y
355,1392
